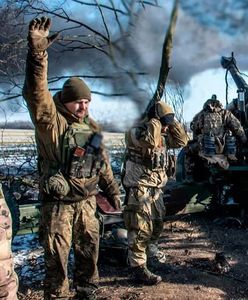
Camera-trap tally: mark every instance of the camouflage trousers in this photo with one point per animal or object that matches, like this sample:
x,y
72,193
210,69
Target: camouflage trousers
x,y
143,216
8,278
62,226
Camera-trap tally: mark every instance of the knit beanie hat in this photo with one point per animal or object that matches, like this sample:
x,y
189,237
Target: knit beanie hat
x,y
74,89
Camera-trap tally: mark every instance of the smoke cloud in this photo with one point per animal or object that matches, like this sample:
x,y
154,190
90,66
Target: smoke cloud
x,y
205,31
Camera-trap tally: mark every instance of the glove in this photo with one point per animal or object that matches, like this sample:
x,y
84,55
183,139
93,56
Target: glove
x,y
115,201
38,35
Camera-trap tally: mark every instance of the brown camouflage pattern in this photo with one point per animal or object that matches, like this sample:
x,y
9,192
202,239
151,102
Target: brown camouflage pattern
x,y
150,142
144,211
143,218
215,120
64,223
52,119
8,277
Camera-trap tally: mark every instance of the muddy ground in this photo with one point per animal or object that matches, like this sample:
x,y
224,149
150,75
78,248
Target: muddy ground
x,y
191,271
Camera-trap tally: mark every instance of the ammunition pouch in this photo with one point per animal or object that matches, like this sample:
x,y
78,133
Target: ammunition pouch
x,y
85,161
160,160
155,161
56,186
138,159
86,166
53,182
74,177
171,168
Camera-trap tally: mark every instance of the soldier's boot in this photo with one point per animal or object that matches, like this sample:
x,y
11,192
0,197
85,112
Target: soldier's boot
x,y
142,275
155,256
86,292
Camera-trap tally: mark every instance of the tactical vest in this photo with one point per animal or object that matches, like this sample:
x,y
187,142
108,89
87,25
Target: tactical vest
x,y
215,137
81,160
156,158
80,164
80,155
214,124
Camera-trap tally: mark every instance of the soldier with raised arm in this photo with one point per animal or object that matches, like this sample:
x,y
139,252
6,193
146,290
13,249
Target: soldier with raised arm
x,y
72,163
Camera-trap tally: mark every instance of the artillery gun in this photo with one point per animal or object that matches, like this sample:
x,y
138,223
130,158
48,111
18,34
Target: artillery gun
x,y
213,186
238,106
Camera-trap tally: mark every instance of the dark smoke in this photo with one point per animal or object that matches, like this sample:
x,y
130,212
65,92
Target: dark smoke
x,y
205,31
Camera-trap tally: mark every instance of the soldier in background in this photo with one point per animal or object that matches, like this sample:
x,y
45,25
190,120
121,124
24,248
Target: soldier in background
x,y
8,277
144,176
215,120
72,164
213,128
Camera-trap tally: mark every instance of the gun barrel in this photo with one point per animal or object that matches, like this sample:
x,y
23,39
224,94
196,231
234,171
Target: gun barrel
x,y
229,63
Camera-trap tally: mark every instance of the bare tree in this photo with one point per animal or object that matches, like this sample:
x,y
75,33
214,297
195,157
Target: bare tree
x,y
11,62
89,32
95,43
166,52
174,97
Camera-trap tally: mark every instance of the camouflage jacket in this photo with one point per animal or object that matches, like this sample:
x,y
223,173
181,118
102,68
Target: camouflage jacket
x,y
215,120
8,278
51,120
146,152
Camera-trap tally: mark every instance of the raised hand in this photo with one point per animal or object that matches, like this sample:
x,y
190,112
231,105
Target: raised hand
x,y
38,34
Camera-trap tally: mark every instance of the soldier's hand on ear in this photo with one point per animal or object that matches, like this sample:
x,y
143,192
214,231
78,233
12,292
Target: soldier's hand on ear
x,y
38,35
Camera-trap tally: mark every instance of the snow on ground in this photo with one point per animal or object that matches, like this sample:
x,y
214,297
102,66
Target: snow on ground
x,y
28,258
